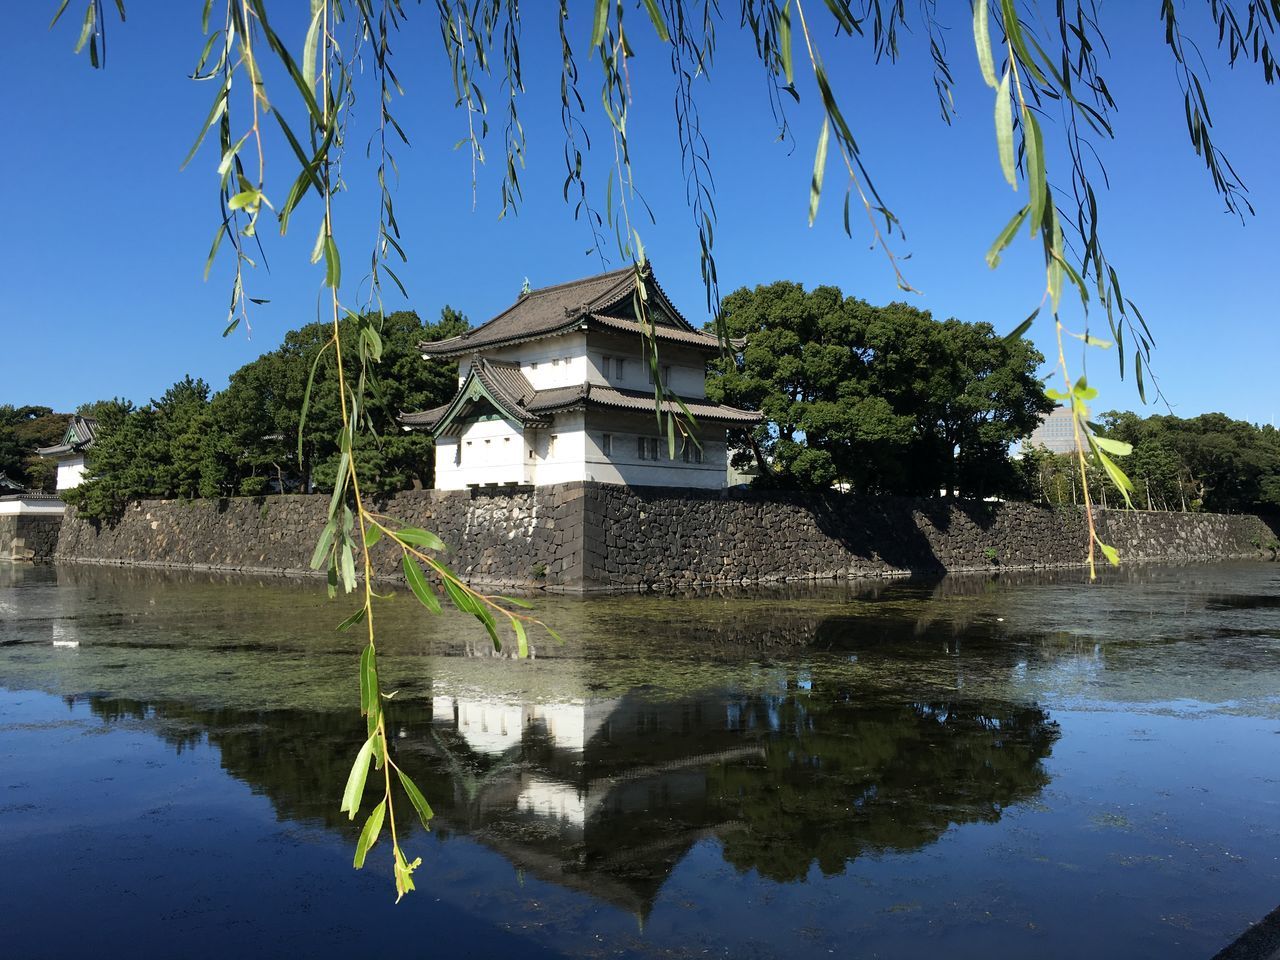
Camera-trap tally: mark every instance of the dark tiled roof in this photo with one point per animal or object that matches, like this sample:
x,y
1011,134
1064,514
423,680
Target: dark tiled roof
x,y
501,381
86,431
697,338
642,401
30,495
424,418
554,310
86,427
506,381
558,398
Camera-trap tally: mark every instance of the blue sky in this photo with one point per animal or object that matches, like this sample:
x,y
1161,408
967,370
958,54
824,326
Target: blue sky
x,y
106,237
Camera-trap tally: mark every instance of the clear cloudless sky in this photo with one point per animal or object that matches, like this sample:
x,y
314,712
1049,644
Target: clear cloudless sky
x,y
105,238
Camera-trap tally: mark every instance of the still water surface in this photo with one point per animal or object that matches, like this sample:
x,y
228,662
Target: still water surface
x,y
1019,767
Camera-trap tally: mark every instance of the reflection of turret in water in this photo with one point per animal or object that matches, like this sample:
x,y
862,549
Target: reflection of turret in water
x,y
607,794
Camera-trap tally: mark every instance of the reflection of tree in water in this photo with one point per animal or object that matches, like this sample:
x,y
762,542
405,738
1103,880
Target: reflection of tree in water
x,y
298,759
785,779
840,779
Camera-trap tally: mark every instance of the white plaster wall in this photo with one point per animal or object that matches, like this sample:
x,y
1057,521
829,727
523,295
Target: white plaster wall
x,y
27,508
491,453
564,460
687,376
625,466
70,472
495,452
551,362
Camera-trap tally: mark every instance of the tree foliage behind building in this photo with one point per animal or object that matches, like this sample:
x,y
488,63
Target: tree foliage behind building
x,y
881,399
23,430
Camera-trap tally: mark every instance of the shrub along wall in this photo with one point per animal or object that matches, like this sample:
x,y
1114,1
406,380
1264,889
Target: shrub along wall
x,y
589,536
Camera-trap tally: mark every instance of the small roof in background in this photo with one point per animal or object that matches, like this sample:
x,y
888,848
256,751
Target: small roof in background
x,y
80,434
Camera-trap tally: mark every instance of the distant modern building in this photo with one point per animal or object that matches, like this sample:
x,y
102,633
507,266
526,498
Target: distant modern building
x,y
70,453
559,387
1054,434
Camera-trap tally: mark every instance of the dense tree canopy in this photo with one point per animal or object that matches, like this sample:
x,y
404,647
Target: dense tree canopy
x,y
883,399
23,430
1209,462
244,440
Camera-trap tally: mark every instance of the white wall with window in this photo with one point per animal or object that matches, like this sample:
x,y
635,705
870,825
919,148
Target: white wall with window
x,y
619,362
489,452
558,451
626,448
554,362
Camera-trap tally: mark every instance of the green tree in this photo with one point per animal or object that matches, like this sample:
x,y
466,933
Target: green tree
x,y
259,415
1209,462
117,468
160,450
883,399
22,431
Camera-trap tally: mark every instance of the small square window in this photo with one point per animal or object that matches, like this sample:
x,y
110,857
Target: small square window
x,y
555,361
533,365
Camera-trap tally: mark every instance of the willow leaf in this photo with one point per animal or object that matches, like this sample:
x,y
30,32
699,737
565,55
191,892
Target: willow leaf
x,y
1004,131
369,835
354,790
982,40
819,169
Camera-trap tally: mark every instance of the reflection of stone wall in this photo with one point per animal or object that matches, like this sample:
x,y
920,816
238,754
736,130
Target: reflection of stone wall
x,y
29,536
597,536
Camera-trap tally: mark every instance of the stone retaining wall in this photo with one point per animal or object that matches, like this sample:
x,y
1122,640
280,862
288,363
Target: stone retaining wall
x,y
591,536
739,536
29,537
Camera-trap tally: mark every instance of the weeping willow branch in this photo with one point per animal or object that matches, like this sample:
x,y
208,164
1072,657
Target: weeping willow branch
x,y
1048,57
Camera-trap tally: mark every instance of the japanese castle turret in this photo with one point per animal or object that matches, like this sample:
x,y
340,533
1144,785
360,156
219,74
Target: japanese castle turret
x,y
559,388
70,453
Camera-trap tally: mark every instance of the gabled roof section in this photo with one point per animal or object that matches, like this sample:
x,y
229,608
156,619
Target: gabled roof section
x,y
496,382
605,298
505,387
79,436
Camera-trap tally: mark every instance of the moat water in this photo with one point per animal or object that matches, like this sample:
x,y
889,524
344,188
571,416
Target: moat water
x,y
1009,767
